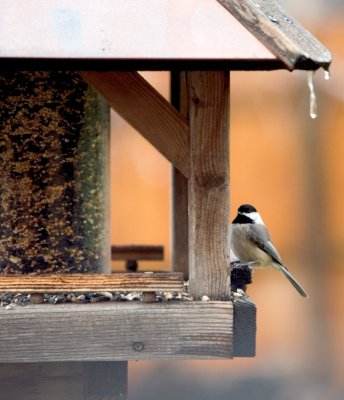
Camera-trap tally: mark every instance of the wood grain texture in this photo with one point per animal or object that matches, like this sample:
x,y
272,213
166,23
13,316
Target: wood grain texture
x,y
64,381
116,331
280,33
245,326
137,252
179,220
61,283
208,94
131,96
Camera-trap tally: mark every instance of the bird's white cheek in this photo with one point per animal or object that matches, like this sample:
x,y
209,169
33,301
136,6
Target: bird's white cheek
x,y
255,216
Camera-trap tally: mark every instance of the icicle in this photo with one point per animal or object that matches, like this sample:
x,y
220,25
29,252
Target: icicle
x,y
327,74
312,98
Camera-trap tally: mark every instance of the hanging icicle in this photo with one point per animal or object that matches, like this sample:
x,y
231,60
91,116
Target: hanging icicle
x,y
313,97
327,74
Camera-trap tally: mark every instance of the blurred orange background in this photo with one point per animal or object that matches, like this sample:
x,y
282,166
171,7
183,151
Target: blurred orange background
x,y
292,169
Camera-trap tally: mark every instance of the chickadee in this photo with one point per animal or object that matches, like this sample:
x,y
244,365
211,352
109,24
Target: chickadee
x,y
250,241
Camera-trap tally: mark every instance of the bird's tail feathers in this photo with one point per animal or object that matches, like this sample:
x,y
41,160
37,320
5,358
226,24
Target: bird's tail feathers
x,y
293,281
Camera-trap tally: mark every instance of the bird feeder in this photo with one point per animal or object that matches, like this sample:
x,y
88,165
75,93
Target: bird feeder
x,y
63,63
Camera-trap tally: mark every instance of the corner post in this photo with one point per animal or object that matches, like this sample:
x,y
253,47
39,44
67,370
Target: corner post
x,y
179,195
209,263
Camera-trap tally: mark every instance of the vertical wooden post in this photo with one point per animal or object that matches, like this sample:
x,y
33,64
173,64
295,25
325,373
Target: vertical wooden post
x,y
179,195
208,99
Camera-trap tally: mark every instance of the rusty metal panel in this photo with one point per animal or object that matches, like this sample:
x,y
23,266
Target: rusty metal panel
x,y
124,29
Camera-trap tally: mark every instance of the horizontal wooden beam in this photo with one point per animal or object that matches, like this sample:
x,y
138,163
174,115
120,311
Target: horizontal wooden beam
x,y
61,283
167,64
132,97
116,331
137,252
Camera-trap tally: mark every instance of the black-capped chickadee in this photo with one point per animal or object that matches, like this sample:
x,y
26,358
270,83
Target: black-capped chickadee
x,y
251,242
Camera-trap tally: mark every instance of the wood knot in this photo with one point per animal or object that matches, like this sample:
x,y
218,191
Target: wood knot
x,y
138,346
211,182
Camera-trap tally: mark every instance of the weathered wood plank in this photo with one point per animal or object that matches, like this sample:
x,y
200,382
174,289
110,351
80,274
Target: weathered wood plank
x,y
60,283
67,381
280,33
245,326
146,110
137,252
116,331
208,94
179,220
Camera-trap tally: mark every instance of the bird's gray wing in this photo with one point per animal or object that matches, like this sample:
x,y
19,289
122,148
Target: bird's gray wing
x,y
261,237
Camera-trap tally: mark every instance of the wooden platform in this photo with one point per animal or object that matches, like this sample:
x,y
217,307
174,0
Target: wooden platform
x,y
116,331
127,331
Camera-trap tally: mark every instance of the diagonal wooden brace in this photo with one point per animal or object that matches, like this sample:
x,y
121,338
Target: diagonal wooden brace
x,y
132,97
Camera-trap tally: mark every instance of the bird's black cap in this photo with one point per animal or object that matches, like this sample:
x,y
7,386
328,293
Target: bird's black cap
x,y
246,208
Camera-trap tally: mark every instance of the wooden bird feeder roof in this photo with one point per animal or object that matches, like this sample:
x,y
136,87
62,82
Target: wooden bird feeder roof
x,y
156,34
